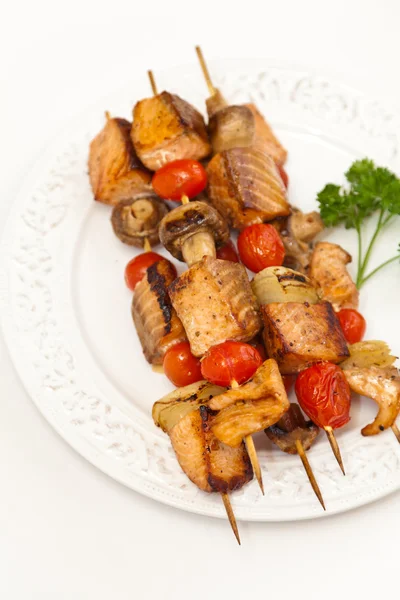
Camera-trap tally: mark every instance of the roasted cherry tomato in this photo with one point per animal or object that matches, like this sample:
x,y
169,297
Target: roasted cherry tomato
x,y
137,267
228,252
353,324
180,366
288,381
179,178
230,361
260,246
324,394
261,351
284,176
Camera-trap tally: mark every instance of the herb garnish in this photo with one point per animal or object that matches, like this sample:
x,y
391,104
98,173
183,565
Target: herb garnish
x,y
371,189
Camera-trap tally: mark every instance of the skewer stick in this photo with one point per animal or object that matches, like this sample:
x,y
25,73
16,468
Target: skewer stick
x,y
152,82
231,515
107,115
185,199
146,245
396,432
301,452
206,73
251,451
334,446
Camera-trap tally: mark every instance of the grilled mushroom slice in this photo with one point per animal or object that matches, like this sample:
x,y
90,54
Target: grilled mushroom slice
x,y
138,219
231,127
292,427
192,231
297,233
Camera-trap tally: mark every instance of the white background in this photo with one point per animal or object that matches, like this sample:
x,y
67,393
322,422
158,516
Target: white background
x,y
66,530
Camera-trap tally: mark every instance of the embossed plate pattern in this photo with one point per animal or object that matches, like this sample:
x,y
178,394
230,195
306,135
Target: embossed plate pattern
x,y
65,310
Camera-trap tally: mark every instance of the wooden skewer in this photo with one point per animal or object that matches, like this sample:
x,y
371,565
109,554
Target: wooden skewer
x,y
251,450
206,73
334,446
146,245
152,82
107,115
301,452
231,515
396,432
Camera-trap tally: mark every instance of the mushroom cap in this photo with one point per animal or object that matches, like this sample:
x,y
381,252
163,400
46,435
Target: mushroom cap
x,y
138,218
188,219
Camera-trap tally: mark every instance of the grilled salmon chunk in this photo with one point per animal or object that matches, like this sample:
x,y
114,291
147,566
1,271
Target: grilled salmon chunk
x,y
214,301
251,407
265,139
115,171
297,335
210,464
328,271
156,321
166,128
383,386
245,186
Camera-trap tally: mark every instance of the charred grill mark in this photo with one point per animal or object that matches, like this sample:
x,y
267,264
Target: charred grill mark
x,y
335,329
190,218
158,286
292,277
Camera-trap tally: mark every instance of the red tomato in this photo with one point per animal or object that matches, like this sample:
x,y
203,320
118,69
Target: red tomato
x,y
180,366
230,361
260,246
284,176
261,351
137,267
324,394
228,252
353,324
178,178
288,381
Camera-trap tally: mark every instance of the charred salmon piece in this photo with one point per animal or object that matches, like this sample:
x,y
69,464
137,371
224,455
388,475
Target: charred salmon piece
x,y
115,171
245,186
166,128
265,139
297,335
156,321
290,428
250,408
328,271
383,386
214,301
211,465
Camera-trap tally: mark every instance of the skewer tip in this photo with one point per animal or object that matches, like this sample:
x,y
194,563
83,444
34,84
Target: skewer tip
x,y
311,477
251,450
152,82
107,115
335,447
204,68
231,516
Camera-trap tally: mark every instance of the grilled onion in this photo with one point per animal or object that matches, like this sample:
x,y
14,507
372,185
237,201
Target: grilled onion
x,y
280,284
168,411
371,353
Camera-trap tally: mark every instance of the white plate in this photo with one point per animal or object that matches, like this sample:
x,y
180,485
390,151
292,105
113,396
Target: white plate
x,y
65,309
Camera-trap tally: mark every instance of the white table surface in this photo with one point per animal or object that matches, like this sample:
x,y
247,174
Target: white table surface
x,y
66,530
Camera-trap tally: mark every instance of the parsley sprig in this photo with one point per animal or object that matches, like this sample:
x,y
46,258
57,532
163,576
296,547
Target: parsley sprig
x,y
370,190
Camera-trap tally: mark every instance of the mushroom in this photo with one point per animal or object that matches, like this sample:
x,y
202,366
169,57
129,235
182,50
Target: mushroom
x,y
290,428
381,384
297,232
137,219
231,127
193,230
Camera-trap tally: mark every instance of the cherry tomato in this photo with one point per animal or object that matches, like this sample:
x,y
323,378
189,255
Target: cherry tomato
x,y
324,394
288,381
230,361
178,178
180,366
228,252
284,176
260,246
136,268
353,324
